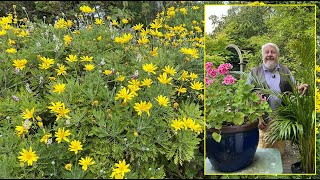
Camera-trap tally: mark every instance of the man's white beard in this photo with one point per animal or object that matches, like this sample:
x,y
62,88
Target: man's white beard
x,y
271,66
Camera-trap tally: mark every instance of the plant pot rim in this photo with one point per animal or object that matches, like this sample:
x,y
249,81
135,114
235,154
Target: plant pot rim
x,y
235,128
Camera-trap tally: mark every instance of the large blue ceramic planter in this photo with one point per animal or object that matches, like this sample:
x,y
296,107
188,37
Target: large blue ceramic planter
x,y
236,149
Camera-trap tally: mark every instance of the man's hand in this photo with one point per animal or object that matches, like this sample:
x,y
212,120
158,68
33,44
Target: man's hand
x,y
303,88
262,125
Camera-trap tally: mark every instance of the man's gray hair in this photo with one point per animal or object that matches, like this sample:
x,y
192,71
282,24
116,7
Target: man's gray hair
x,y
273,45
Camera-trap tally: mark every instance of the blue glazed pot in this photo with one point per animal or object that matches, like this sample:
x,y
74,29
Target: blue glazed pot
x,y
236,149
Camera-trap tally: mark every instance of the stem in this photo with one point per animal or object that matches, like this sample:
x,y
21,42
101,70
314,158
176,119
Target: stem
x,y
75,166
24,171
54,170
17,84
24,9
5,81
178,171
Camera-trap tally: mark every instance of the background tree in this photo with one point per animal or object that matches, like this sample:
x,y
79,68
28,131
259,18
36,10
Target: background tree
x,y
251,27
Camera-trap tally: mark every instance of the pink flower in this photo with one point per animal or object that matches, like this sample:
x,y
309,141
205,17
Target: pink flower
x,y
261,98
209,65
228,80
208,81
212,72
229,66
224,68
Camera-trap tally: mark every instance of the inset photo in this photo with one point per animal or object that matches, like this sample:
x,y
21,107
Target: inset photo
x,y
260,89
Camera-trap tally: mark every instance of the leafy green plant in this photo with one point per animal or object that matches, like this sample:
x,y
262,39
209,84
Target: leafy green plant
x,y
295,119
230,102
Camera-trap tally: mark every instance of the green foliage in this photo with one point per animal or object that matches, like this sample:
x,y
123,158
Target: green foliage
x,y
230,102
295,120
218,44
249,27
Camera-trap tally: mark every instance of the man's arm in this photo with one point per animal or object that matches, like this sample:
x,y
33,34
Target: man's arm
x,y
301,88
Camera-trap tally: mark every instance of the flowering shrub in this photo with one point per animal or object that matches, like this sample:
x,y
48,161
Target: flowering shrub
x,y
101,98
230,101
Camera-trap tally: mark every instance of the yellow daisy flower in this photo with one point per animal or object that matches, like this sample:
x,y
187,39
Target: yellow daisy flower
x,y
28,156
89,67
149,68
177,124
193,76
68,166
55,106
120,170
59,88
163,78
143,106
46,63
121,78
67,40
114,23
75,146
154,52
11,50
62,112
61,70
72,58
45,138
138,27
125,21
107,72
28,114
146,82
169,70
86,9
62,135
86,58
196,85
181,90
124,94
162,100
85,162
20,63
98,21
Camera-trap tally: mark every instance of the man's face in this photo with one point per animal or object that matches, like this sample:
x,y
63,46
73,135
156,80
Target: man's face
x,y
270,57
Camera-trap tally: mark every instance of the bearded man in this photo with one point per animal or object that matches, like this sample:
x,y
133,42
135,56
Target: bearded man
x,y
276,77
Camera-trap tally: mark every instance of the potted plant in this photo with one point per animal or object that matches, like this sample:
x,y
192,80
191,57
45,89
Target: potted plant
x,y
233,111
294,120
